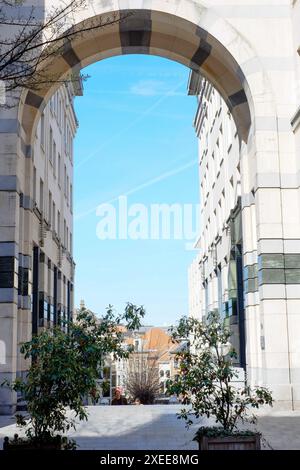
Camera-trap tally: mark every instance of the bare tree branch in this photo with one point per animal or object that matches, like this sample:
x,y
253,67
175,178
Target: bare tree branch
x,y
34,41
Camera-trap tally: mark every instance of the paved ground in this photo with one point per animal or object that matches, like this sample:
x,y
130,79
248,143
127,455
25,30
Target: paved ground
x,y
156,427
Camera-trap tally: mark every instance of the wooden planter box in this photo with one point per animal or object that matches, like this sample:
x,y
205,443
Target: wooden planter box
x,y
229,443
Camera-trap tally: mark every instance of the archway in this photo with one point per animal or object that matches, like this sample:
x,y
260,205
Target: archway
x,y
157,33
201,37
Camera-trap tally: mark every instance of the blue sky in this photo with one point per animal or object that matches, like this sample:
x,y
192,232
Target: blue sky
x,y
135,138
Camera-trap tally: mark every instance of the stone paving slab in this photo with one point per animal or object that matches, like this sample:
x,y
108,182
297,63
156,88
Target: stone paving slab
x,y
157,427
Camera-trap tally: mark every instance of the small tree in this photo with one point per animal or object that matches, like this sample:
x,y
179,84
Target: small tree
x,y
207,373
65,368
142,379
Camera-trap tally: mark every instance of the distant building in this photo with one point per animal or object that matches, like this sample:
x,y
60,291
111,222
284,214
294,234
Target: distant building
x,y
154,347
82,306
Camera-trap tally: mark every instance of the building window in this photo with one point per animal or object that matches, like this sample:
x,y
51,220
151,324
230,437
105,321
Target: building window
x,y
43,130
41,195
59,169
65,131
34,184
219,279
229,130
51,146
54,158
65,233
58,224
71,197
65,180
50,207
69,141
53,215
71,149
68,184
220,215
56,104
206,293
59,113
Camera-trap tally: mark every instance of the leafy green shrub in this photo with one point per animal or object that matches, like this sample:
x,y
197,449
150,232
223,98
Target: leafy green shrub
x,y
65,368
207,373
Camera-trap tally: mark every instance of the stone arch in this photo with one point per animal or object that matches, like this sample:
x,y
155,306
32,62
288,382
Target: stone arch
x,y
190,34
255,73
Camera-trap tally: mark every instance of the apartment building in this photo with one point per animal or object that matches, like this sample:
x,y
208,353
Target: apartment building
x,y
216,274
52,224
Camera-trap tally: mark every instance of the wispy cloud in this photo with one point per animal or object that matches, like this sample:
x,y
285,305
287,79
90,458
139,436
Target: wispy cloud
x,y
145,184
121,107
131,124
140,70
153,88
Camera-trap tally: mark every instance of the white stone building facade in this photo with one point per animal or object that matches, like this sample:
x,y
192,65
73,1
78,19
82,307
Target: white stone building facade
x,y
44,292
216,273
250,52
52,230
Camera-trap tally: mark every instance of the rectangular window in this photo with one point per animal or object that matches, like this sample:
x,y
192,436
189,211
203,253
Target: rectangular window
x,y
43,130
65,180
53,215
71,197
206,297
59,169
65,132
68,185
65,233
67,239
58,224
41,195
54,158
71,242
229,130
219,278
59,113
50,208
218,159
68,140
220,219
51,146
34,184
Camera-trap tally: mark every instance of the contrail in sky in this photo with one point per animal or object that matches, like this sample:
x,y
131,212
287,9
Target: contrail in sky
x,y
129,126
137,188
